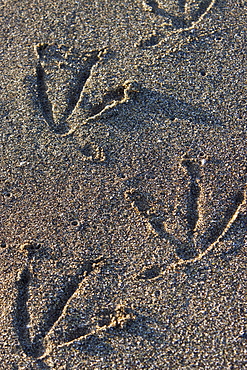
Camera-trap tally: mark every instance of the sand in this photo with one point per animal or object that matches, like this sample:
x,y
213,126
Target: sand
x,y
123,185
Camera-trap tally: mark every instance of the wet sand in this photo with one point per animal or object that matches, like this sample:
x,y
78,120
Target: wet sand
x,y
123,185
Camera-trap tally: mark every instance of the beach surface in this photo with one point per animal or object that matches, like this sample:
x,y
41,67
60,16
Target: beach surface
x,y
123,227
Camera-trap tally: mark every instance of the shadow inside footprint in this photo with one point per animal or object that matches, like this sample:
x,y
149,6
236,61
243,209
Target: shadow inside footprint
x,y
142,205
215,231
61,76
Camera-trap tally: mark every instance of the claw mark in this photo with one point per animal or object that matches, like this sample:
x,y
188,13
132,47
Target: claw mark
x,y
138,201
60,102
34,348
92,152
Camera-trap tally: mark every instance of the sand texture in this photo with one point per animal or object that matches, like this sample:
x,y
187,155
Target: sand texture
x,y
123,226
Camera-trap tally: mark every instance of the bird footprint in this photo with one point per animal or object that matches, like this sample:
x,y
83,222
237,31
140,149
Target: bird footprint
x,y
190,241
63,75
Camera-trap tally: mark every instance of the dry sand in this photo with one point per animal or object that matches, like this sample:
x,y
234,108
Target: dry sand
x,y
123,184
